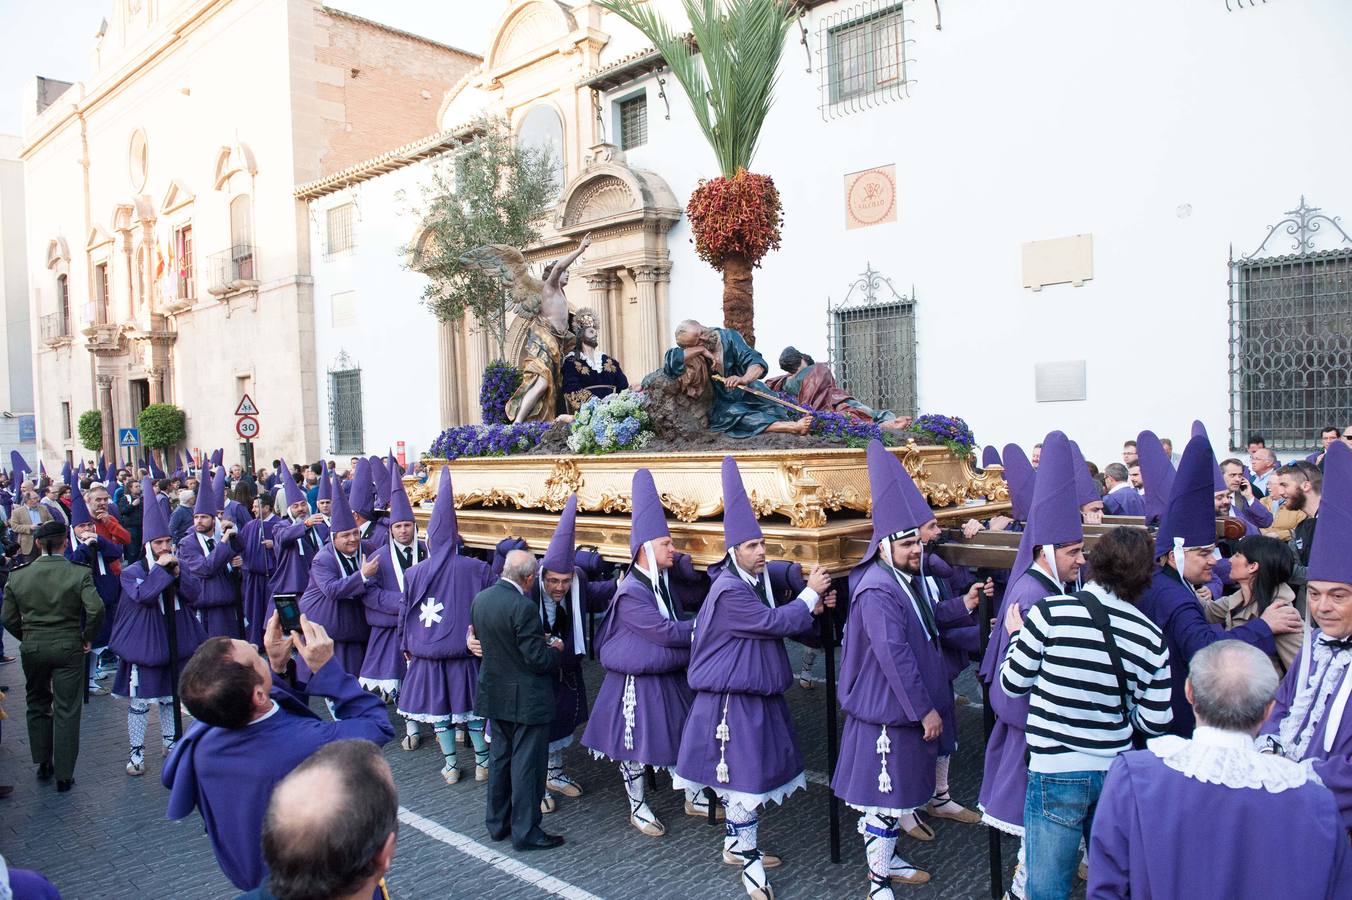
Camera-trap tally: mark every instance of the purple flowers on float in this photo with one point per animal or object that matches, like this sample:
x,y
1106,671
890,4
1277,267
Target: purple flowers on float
x,y
488,440
500,381
948,431
840,427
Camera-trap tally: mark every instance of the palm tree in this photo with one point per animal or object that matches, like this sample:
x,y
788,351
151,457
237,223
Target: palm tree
x,y
727,66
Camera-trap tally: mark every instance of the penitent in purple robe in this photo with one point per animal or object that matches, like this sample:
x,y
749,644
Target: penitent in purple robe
x,y
259,563
1174,607
383,666
335,600
139,637
739,671
570,690
1005,782
99,558
1159,835
892,673
295,546
374,535
211,584
442,676
646,649
1123,502
229,773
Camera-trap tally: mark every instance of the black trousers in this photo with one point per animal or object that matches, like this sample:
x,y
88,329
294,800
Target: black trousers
x,y
517,761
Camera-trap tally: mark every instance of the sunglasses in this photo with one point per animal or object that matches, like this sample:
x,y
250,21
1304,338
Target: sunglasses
x,y
1347,437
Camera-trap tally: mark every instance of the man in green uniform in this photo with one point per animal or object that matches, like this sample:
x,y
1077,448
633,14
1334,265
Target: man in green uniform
x,y
51,605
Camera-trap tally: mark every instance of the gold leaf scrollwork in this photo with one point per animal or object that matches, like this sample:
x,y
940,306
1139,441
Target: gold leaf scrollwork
x,y
761,506
685,509
613,502
564,479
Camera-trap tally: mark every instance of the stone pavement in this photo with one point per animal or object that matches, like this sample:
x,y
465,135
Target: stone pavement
x,y
108,838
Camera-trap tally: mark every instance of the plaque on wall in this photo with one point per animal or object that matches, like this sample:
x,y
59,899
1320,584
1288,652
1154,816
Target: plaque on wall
x,y
871,197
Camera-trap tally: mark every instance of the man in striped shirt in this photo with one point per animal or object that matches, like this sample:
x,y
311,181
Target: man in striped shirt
x,y
1088,692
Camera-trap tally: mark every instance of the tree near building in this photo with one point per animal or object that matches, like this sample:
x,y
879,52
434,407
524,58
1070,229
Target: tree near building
x,y
726,66
90,427
491,190
162,425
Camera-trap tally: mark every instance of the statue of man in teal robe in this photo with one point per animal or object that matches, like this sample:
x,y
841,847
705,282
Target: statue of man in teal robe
x,y
702,352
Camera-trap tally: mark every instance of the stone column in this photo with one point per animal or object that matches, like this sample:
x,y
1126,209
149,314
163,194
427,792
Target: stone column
x,y
650,325
598,298
105,390
448,374
155,375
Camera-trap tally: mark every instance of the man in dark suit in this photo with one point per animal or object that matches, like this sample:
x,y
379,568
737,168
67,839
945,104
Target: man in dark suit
x,y
516,695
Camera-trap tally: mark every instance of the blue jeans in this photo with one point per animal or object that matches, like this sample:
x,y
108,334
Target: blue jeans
x,y
1058,811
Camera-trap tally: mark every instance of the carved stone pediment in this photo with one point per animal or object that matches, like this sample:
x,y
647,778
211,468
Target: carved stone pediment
x,y
609,192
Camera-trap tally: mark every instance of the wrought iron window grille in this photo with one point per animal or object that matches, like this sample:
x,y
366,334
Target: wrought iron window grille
x,y
339,231
345,410
863,57
634,121
871,339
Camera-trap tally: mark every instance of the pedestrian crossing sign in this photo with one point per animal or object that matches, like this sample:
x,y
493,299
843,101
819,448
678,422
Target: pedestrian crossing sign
x,y
128,437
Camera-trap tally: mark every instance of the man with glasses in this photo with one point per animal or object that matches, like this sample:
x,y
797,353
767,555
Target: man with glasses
x,y
1327,435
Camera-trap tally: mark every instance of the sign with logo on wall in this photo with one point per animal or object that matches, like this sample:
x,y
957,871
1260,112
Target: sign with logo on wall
x,y
871,197
28,429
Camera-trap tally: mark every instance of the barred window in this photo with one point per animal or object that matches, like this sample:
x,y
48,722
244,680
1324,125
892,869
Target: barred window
x,y
187,284
66,429
872,344
865,57
634,121
339,219
345,419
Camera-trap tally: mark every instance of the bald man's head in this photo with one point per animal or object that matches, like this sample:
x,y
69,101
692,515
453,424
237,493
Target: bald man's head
x,y
519,566
331,824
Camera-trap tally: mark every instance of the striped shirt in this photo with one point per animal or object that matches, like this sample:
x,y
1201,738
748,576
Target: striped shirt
x,y
1075,720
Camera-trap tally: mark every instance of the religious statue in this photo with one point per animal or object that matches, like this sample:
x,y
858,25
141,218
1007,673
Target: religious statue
x,y
539,398
814,385
722,357
587,372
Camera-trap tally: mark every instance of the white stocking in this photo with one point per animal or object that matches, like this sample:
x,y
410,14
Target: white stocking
x,y
554,770
741,840
637,789
167,723
941,777
136,729
1019,885
880,845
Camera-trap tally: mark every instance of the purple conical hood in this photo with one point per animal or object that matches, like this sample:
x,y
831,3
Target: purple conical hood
x,y
400,509
1086,491
205,505
67,474
441,530
340,514
153,524
291,491
649,522
1019,475
1217,477
898,505
325,487
218,456
79,510
18,464
155,471
1054,513
362,495
380,477
1157,475
103,468
990,456
739,519
218,490
1191,513
562,552
1329,556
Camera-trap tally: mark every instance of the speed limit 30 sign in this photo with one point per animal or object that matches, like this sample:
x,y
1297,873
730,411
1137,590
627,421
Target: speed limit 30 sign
x,y
246,427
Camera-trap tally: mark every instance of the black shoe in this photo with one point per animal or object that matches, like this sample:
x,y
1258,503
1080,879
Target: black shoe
x,y
6,790
63,786
499,836
45,772
541,841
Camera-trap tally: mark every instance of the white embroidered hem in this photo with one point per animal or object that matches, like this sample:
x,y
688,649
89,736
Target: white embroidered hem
x,y
384,685
883,810
999,825
748,801
456,718
597,754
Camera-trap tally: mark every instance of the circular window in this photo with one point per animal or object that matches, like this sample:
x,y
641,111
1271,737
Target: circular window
x,y
542,130
138,160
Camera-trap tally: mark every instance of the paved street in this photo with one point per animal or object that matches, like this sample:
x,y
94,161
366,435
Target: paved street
x,y
108,838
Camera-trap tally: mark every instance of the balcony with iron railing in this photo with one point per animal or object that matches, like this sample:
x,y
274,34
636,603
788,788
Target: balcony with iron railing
x,y
231,271
55,329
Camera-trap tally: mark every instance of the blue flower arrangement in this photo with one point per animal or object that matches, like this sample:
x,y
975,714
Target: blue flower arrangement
x,y
612,423
501,379
488,440
850,431
948,431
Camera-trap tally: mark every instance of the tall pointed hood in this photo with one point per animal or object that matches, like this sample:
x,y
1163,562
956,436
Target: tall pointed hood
x,y
1086,490
400,509
291,492
1157,475
362,497
1054,515
155,471
441,530
103,468
739,519
79,510
649,521
898,505
325,486
153,523
1190,518
990,456
205,505
18,465
218,489
380,478
1217,476
218,456
67,473
1329,556
340,514
1019,475
562,553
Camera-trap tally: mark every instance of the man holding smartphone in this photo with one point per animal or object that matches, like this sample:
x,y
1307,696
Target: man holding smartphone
x,y
252,729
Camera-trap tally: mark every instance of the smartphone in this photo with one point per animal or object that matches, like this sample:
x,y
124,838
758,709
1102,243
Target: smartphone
x,y
288,612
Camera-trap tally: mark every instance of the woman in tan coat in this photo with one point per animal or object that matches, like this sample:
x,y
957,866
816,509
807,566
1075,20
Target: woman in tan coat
x,y
1260,567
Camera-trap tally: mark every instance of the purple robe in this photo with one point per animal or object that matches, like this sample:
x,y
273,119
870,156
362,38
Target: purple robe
x,y
570,691
336,601
442,675
1174,607
1159,834
237,513
1005,782
637,644
1254,515
739,670
229,773
259,563
1123,502
374,535
100,559
1333,766
139,637
294,546
210,586
384,600
892,673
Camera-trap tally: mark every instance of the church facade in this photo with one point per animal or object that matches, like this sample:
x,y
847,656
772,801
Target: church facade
x,y
1032,216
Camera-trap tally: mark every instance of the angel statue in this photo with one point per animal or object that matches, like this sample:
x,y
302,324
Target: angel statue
x,y
539,398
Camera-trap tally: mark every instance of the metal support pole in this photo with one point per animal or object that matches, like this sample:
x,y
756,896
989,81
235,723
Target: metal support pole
x,y
993,848
828,634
